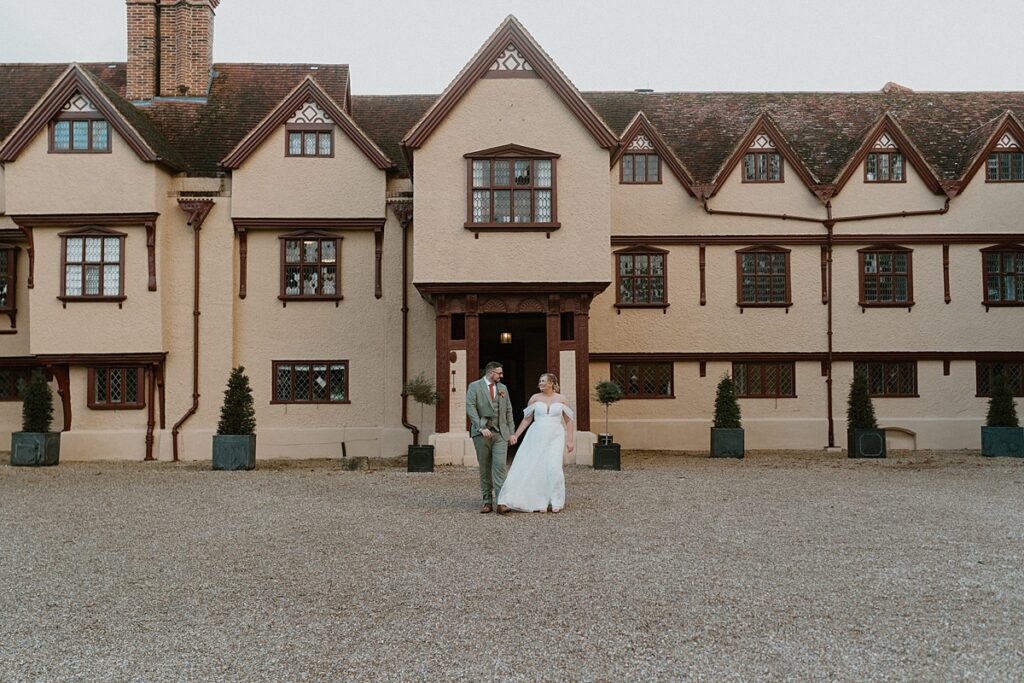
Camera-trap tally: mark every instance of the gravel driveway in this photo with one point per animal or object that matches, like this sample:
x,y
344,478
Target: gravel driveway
x,y
779,566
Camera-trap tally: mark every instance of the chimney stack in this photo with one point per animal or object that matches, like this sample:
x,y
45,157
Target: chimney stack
x,y
170,48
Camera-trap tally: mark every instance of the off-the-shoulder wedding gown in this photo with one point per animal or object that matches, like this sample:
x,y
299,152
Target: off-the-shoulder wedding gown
x,y
535,480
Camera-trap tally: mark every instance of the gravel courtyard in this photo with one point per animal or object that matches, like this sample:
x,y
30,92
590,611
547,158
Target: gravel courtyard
x,y
778,566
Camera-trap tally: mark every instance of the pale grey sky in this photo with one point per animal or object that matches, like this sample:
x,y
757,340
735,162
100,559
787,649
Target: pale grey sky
x,y
418,46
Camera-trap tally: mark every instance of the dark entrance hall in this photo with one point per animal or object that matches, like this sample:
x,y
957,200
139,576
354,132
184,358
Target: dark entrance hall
x,y
522,352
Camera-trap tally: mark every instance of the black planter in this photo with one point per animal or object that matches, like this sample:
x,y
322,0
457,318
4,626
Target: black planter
x,y
606,456
1002,441
605,439
35,449
865,443
234,452
727,442
421,459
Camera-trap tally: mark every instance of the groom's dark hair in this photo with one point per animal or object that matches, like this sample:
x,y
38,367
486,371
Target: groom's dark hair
x,y
493,365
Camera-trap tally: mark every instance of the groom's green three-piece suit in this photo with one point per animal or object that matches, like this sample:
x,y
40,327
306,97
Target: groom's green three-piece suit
x,y
494,414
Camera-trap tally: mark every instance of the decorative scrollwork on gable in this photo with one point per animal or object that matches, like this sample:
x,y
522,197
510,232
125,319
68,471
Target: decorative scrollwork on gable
x,y
78,105
641,143
1007,141
762,141
511,60
885,141
310,112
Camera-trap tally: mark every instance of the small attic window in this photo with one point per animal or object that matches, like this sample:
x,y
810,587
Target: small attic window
x,y
79,128
884,163
762,163
1006,162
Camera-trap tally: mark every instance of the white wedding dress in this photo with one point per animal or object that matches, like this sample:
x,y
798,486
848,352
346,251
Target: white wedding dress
x,y
535,480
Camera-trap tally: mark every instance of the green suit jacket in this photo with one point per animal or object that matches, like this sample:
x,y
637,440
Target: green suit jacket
x,y
483,413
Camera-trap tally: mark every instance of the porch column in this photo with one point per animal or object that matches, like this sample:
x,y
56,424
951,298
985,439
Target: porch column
x,y
582,319
442,333
554,333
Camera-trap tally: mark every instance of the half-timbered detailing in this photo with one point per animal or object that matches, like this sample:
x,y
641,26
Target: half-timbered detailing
x,y
510,64
310,266
79,128
1004,275
310,132
311,381
1005,140
92,265
646,147
1006,161
644,380
511,188
886,276
987,370
764,379
641,163
763,277
762,163
889,379
884,163
641,277
763,139
116,388
9,283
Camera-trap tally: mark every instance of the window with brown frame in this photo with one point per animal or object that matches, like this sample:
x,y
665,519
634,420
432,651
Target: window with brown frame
x,y
507,190
310,140
92,265
311,381
644,380
884,166
13,382
762,167
642,275
887,379
1004,275
111,388
886,278
763,277
764,379
8,282
640,169
79,134
310,266
1005,167
986,371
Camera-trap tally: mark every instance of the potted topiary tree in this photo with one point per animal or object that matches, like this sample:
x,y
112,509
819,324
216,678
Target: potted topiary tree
x,y
1002,433
726,431
607,454
423,391
863,437
35,445
234,444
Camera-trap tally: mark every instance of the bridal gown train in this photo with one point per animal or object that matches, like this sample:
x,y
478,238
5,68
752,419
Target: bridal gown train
x,y
535,480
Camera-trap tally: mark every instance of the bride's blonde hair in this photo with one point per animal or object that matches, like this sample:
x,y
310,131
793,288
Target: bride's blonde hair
x,y
553,378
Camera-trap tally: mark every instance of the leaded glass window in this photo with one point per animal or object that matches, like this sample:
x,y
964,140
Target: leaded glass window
x,y
884,167
1005,167
80,135
310,267
7,280
643,380
987,371
641,168
764,277
516,191
887,379
764,380
762,167
13,382
1004,277
116,387
310,143
641,278
311,382
886,278
93,265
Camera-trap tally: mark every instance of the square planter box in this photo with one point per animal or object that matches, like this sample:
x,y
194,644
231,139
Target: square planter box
x,y
35,449
727,442
1002,441
607,456
865,443
234,452
421,459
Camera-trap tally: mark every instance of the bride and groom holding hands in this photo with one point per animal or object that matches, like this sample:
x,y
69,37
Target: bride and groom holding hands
x,y
535,482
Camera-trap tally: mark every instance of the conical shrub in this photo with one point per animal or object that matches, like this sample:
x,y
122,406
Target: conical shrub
x,y
37,406
727,408
1001,409
860,411
237,415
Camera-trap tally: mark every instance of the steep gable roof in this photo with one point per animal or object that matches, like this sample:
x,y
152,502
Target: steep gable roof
x,y
306,91
989,137
641,125
511,34
887,125
387,118
138,132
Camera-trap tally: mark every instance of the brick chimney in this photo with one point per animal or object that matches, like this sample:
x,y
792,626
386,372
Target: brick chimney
x,y
170,48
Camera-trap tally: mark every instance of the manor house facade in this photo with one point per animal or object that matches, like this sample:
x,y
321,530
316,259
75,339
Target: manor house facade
x,y
165,219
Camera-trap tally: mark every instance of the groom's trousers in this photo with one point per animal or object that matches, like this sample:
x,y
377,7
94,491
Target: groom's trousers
x,y
492,455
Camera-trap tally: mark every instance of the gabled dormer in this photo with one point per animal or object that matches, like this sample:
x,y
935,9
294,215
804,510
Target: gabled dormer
x,y
81,115
644,154
1002,154
764,154
309,116
883,157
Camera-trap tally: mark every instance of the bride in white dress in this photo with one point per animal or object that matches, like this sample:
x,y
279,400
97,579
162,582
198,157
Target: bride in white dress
x,y
535,481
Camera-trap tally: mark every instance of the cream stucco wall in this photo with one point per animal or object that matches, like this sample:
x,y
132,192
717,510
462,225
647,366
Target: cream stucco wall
x,y
272,184
860,197
664,208
988,207
790,196
118,182
525,112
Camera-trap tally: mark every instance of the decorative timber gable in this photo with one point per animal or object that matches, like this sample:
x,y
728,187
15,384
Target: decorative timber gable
x,y
1008,136
641,136
764,135
510,52
886,134
306,103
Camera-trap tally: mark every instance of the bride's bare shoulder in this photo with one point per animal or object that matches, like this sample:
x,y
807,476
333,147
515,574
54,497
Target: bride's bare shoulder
x,y
533,399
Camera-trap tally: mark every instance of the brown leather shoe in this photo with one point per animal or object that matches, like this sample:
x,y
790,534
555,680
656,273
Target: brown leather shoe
x,y
503,509
486,508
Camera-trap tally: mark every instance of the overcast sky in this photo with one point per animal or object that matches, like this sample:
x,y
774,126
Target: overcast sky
x,y
418,46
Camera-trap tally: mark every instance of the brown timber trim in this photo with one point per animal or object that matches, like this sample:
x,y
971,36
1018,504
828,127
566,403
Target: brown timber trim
x,y
378,258
582,320
471,343
641,124
510,32
799,239
500,288
140,377
554,334
862,277
824,274
1009,124
518,73
372,223
887,124
762,249
442,330
703,273
243,261
803,356
62,376
945,273
763,124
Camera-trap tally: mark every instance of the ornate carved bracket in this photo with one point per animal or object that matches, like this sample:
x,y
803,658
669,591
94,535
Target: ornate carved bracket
x,y
197,210
402,208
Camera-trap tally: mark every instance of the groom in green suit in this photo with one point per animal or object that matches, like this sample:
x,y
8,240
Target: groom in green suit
x,y
490,425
